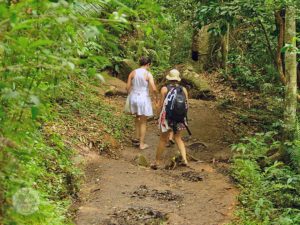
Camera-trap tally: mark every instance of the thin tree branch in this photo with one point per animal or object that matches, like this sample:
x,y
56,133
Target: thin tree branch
x,y
268,41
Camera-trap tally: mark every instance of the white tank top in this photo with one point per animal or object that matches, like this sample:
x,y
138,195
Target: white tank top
x,y
139,82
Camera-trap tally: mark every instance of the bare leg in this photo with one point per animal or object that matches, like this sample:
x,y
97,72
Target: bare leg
x,y
181,146
171,136
161,146
170,139
137,127
143,127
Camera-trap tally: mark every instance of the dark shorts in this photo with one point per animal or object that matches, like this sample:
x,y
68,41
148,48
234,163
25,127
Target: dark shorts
x,y
179,126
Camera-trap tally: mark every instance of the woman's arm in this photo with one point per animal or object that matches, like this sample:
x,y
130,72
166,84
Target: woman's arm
x,y
129,80
152,83
163,93
186,94
153,88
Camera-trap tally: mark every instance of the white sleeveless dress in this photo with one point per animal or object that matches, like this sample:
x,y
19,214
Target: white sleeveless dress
x,y
139,98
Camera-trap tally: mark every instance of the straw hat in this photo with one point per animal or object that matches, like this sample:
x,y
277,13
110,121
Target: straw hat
x,y
174,75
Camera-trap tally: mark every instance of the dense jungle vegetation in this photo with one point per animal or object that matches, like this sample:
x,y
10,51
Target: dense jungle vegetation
x,y
51,51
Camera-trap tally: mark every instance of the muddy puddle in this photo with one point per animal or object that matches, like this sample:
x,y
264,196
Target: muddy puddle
x,y
137,216
192,176
163,195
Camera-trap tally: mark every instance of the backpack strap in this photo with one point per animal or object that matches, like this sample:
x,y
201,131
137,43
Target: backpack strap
x,y
170,87
188,129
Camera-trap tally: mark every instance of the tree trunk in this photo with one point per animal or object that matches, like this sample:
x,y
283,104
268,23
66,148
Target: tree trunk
x,y
280,62
225,49
298,75
290,117
195,45
279,17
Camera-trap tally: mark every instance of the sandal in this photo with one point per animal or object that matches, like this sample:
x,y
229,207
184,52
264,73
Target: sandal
x,y
183,164
155,166
137,145
135,140
171,142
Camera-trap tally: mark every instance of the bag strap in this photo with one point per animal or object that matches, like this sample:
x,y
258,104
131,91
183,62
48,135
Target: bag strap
x,y
170,88
174,128
188,129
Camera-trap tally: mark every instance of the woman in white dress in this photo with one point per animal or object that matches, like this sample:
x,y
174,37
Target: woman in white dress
x,y
140,104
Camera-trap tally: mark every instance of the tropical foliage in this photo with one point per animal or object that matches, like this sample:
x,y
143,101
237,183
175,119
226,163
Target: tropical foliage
x,y
52,52
269,192
49,50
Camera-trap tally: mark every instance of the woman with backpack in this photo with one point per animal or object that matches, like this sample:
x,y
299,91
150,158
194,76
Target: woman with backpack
x,y
140,104
173,115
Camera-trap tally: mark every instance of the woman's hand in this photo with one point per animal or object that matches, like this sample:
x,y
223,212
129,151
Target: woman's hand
x,y
157,107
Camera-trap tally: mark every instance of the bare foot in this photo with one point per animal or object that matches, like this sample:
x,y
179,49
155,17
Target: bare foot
x,y
144,146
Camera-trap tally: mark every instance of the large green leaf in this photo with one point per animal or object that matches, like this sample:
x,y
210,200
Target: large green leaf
x,y
40,43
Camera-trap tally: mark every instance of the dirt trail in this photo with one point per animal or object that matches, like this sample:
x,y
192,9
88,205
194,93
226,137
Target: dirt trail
x,y
121,192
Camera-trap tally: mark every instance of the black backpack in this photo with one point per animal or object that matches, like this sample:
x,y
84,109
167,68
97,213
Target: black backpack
x,y
176,107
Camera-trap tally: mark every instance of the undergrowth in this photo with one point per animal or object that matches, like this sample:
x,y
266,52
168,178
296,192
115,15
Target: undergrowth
x,y
43,165
50,53
91,112
37,158
270,191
